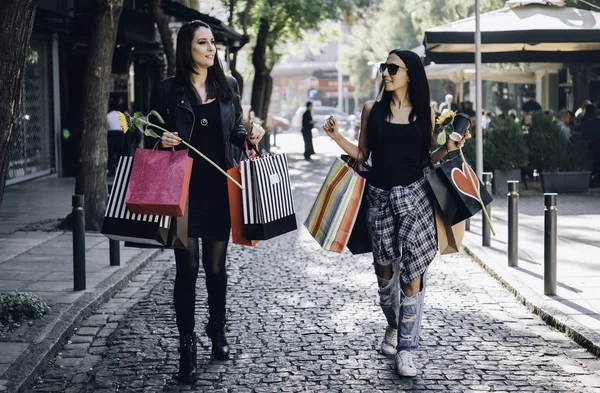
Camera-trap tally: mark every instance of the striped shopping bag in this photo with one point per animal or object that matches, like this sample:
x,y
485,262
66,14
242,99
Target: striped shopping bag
x,y
120,224
267,200
334,212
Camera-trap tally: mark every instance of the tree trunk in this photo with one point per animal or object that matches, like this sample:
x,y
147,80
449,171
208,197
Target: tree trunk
x,y
165,34
261,73
236,74
93,152
266,103
16,23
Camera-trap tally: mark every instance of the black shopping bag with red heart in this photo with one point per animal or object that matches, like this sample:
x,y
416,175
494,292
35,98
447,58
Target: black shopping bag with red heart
x,y
452,184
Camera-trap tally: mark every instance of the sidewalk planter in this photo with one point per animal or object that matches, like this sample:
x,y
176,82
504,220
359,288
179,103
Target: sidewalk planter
x,y
505,151
566,182
501,177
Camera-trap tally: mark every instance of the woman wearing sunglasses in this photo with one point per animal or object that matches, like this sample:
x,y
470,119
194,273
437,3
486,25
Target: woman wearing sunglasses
x,y
396,132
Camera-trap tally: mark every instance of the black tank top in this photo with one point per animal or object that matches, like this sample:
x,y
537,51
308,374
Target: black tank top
x,y
397,156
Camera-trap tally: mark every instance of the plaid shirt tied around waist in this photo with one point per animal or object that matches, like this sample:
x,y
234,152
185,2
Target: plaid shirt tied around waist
x,y
404,227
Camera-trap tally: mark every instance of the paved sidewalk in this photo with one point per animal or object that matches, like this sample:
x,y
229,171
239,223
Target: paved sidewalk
x,y
305,320
575,309
41,262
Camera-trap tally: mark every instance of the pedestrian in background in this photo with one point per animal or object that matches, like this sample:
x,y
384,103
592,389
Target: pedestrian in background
x,y
307,126
203,106
397,133
115,138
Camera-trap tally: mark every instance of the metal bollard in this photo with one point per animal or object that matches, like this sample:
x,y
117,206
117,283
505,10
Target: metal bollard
x,y
550,215
485,228
513,222
468,224
78,216
115,252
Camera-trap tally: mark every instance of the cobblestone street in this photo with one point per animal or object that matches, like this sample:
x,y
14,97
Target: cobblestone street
x,y
303,319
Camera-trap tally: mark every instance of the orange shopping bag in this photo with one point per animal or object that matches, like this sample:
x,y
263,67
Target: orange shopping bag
x,y
236,209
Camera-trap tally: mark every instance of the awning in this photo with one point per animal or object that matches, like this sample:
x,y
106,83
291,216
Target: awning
x,y
464,72
524,31
223,33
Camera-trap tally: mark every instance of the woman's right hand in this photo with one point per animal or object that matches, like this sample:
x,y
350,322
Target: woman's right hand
x,y
169,140
331,128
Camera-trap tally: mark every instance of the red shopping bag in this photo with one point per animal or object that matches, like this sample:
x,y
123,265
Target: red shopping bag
x,y
160,182
236,211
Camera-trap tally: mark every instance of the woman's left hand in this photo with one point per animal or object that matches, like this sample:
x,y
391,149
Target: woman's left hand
x,y
256,133
453,145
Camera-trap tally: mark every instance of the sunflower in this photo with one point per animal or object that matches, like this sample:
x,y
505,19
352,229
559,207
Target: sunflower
x,y
444,118
123,121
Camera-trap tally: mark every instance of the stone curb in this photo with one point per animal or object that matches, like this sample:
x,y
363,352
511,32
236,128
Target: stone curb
x,y
583,336
22,373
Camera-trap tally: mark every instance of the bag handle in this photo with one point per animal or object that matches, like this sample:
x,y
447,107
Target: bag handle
x,y
156,146
246,149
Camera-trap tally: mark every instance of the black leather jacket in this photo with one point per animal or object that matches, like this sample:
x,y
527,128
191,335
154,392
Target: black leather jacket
x,y
169,99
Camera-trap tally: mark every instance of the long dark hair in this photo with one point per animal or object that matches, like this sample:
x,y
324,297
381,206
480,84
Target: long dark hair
x,y
418,93
217,85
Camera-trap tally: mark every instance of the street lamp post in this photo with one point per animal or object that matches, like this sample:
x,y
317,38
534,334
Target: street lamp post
x,y
478,94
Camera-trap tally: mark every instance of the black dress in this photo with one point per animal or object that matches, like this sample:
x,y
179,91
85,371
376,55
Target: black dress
x,y
208,199
397,156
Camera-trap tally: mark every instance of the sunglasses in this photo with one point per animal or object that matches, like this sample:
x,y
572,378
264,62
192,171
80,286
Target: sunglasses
x,y
392,68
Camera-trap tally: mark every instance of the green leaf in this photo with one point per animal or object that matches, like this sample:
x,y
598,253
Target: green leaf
x,y
441,138
157,115
150,132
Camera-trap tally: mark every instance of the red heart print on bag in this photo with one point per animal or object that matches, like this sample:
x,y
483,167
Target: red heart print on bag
x,y
463,183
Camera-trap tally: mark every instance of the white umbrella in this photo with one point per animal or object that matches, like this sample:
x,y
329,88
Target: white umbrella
x,y
523,31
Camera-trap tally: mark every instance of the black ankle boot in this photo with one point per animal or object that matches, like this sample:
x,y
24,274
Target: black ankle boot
x,y
187,358
216,332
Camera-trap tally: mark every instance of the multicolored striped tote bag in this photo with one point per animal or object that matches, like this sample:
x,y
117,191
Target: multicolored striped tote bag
x,y
334,212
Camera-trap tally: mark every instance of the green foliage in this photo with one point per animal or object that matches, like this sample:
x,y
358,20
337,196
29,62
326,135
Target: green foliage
x,y
469,149
289,19
428,14
504,147
16,306
545,142
578,155
396,24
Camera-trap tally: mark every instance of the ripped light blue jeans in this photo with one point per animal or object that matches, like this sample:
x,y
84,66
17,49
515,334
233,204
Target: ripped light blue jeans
x,y
402,312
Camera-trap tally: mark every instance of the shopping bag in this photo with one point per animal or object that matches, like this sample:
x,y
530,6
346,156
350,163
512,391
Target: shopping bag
x,y
359,241
236,211
177,237
336,207
160,182
450,237
453,190
123,225
267,200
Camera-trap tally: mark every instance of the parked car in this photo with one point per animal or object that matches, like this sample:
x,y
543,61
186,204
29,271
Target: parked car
x,y
321,114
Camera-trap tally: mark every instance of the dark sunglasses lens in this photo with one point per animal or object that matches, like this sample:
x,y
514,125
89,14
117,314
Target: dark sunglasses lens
x,y
392,68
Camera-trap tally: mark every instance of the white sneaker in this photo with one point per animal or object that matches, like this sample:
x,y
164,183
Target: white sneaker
x,y
388,345
404,364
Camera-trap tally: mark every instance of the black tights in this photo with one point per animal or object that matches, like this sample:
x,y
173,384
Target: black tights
x,y
214,253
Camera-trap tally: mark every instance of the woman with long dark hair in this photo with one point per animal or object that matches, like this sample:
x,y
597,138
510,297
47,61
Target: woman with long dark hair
x,y
203,106
396,132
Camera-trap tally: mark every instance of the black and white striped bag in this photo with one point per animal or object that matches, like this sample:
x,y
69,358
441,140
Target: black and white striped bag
x,y
120,224
267,200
